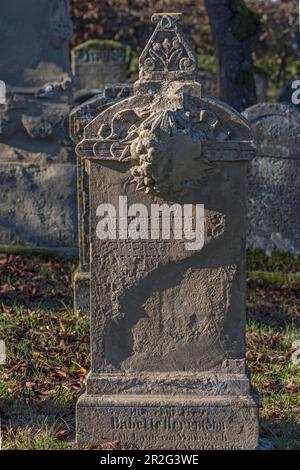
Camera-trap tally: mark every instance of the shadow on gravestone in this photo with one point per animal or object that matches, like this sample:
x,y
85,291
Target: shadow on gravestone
x,y
79,118
37,167
273,179
168,312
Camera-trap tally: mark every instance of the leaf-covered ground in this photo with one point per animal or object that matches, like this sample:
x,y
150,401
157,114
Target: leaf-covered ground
x,y
48,350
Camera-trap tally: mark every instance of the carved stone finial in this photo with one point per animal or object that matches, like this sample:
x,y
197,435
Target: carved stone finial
x,y
168,55
166,20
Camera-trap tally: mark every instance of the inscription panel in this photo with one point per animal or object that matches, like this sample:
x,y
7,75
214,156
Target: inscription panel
x,y
98,63
224,426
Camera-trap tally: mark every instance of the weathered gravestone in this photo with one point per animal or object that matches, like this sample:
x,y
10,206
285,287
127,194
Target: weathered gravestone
x,y
79,118
37,167
168,293
273,180
97,63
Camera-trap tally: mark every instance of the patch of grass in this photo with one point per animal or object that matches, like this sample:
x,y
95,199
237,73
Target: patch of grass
x,y
277,262
48,350
273,312
279,385
265,278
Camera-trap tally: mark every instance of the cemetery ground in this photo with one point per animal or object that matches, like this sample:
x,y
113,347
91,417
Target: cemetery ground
x,y
48,349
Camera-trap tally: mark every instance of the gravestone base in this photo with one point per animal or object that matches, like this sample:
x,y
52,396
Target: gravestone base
x,y
82,292
171,422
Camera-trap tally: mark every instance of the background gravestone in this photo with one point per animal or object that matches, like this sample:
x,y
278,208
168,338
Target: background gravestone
x,y
37,167
285,95
168,323
209,83
273,180
261,85
79,118
97,63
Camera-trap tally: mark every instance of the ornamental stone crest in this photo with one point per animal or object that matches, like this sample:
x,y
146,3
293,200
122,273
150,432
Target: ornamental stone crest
x,y
168,133
167,50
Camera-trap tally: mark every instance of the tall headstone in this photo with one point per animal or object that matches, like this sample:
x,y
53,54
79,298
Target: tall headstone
x,y
97,63
79,118
273,180
37,167
167,176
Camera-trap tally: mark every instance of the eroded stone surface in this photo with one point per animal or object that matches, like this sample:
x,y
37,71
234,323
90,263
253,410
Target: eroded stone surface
x,y
273,189
168,318
35,150
32,203
165,422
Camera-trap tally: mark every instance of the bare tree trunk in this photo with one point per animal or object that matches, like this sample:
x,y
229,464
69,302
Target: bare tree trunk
x,y
233,27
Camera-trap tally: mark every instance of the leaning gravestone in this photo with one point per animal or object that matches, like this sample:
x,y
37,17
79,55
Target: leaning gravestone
x,y
37,167
273,180
167,173
97,63
79,118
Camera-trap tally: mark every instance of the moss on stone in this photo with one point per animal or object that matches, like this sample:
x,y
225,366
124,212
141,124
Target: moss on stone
x,y
94,43
99,42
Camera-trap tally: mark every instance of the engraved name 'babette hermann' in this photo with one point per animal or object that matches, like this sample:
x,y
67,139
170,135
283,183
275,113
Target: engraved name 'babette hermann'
x,y
167,423
135,223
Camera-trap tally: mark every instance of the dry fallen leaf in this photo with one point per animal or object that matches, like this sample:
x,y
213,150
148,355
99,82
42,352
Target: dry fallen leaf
x,y
295,409
292,386
109,445
62,434
3,259
60,373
